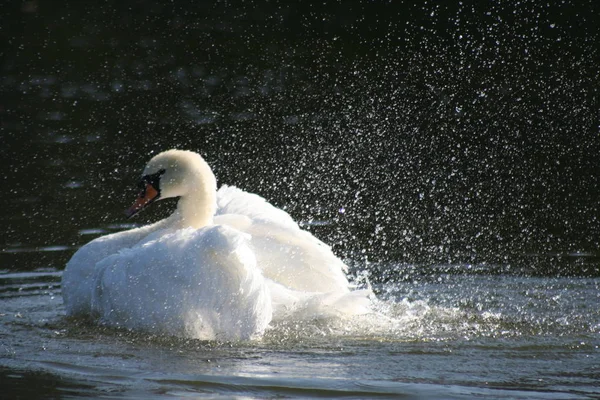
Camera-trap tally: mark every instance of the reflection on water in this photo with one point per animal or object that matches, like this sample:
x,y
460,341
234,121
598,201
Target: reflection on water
x,y
32,384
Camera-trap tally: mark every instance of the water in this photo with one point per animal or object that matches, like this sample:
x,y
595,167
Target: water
x,y
452,337
446,152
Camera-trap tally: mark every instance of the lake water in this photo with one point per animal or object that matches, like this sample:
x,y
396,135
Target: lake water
x,y
452,336
448,153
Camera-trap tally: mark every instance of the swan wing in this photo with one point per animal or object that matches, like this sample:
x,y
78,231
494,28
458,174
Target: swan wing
x,y
232,200
77,280
192,283
285,253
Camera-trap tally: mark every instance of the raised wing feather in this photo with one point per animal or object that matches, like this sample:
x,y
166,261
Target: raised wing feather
x,y
285,253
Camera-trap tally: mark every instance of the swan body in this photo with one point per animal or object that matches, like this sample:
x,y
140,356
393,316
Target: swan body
x,y
224,265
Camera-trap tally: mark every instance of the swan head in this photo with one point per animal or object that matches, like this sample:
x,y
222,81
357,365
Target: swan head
x,y
172,173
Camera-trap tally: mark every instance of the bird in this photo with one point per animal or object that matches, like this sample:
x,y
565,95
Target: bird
x,y
225,265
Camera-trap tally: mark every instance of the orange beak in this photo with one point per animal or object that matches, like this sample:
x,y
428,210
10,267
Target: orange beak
x,y
146,196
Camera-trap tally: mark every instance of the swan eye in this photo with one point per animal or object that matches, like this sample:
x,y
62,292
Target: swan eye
x,y
151,179
149,192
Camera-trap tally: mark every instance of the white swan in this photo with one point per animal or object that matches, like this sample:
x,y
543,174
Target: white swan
x,y
222,266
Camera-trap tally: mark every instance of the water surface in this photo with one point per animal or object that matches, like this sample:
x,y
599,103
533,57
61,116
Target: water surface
x,y
453,337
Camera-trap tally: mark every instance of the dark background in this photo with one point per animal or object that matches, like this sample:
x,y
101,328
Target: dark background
x,y
431,134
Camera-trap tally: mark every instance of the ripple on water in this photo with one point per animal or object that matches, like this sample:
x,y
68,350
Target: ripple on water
x,y
121,226
73,185
92,231
404,351
23,284
35,249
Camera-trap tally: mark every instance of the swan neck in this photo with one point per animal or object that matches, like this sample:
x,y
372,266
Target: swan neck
x,y
198,204
197,209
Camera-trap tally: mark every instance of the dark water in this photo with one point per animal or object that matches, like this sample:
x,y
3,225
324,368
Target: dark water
x,y
447,151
